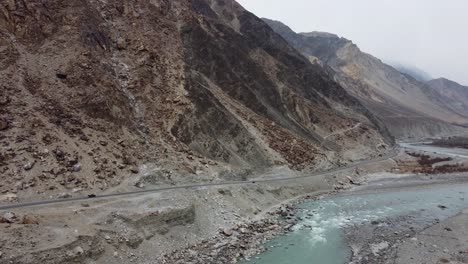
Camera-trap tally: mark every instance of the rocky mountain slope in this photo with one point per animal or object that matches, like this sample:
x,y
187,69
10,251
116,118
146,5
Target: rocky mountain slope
x,y
93,92
409,108
453,94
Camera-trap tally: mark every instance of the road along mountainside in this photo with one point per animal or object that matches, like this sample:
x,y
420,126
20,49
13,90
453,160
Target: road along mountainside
x,y
229,220
95,95
408,107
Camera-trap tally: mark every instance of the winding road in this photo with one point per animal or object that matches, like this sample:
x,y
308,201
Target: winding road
x,y
389,155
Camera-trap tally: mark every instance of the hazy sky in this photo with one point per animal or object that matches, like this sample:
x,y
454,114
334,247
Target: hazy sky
x,y
431,35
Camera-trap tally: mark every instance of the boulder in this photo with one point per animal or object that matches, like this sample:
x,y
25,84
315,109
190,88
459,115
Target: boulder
x,y
78,251
134,169
121,43
29,165
227,232
30,220
76,167
9,217
19,185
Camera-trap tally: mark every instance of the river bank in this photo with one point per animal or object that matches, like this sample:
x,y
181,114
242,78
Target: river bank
x,y
252,241
367,225
145,228
208,225
383,221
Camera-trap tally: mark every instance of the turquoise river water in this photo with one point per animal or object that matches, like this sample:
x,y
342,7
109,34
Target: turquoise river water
x,y
318,237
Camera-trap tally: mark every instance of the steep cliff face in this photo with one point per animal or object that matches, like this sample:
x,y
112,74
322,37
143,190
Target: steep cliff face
x,y
91,88
408,107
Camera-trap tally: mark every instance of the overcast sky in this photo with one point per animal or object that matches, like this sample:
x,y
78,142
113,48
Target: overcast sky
x,y
431,35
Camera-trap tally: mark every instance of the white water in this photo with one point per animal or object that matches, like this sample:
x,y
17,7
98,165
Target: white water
x,y
318,237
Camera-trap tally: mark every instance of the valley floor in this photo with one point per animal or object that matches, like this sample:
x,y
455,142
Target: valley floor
x,y
207,224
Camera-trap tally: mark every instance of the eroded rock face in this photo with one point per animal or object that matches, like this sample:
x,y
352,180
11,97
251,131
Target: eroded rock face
x,y
115,84
409,108
257,77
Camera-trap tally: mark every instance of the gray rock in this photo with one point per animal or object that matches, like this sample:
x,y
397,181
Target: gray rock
x,y
227,232
134,169
78,250
140,185
76,167
10,217
121,43
29,165
19,185
64,195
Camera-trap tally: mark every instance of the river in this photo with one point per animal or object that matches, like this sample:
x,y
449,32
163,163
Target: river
x,y
319,236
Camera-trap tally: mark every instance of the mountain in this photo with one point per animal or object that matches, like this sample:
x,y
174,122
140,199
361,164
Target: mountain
x,y
409,108
453,94
95,91
414,72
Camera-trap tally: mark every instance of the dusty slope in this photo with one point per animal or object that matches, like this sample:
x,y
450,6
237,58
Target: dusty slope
x,y
408,107
91,90
453,94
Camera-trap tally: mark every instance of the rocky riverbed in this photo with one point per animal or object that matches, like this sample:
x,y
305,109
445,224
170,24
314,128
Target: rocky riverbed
x,y
379,223
243,240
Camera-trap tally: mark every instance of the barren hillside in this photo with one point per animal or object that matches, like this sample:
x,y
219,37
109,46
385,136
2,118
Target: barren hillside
x,y
93,92
453,94
409,108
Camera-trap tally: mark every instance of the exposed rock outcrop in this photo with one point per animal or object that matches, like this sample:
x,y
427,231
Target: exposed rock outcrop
x,y
409,108
91,90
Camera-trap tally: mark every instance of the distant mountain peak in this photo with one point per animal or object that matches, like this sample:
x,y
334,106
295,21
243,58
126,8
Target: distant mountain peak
x,y
399,95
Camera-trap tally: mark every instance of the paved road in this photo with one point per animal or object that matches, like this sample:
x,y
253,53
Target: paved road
x,y
390,155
